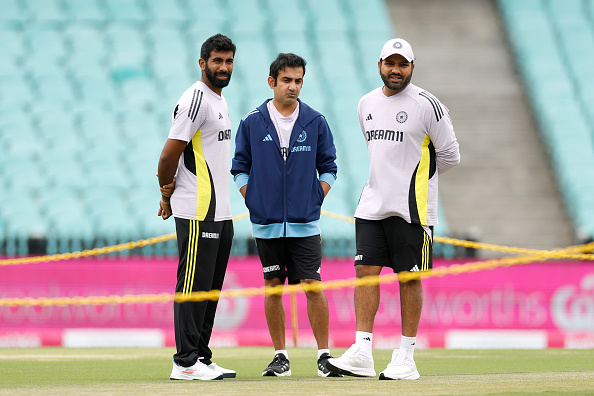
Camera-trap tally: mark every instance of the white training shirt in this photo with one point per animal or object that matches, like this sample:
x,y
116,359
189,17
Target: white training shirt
x,y
284,125
410,139
202,188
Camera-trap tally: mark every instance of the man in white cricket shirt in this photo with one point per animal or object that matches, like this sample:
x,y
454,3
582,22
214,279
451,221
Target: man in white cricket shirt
x,y
198,155
410,139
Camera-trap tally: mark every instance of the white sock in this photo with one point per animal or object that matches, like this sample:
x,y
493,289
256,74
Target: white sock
x,y
282,351
323,351
364,340
407,347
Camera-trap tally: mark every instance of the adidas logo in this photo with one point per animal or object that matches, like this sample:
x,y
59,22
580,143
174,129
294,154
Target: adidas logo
x,y
369,118
220,116
268,138
415,268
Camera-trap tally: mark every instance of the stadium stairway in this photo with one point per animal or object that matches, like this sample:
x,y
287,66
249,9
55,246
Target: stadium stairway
x,y
504,191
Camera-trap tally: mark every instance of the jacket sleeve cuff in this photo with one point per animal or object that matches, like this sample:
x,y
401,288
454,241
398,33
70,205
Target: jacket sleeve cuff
x,y
325,177
241,179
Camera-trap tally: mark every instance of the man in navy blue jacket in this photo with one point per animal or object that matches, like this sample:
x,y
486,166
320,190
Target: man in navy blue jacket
x,y
281,147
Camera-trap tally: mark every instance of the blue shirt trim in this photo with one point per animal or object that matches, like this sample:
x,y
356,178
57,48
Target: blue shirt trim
x,y
328,178
294,230
241,179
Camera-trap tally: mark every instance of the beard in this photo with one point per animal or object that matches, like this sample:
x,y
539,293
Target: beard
x,y
212,77
396,86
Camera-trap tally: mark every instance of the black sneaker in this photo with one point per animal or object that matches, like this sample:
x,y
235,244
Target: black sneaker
x,y
322,369
279,366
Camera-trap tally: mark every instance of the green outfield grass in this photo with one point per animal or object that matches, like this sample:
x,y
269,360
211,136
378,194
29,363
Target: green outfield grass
x,y
146,371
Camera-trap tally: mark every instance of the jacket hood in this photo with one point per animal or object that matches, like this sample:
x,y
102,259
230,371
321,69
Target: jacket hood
x,y
306,113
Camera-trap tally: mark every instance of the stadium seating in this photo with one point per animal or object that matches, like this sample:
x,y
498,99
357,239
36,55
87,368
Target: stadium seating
x,y
87,89
553,42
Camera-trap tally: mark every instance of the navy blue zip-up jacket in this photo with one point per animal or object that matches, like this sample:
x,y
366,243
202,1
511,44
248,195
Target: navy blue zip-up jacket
x,y
284,198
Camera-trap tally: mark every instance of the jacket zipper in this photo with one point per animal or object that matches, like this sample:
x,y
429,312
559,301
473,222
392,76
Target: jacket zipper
x,y
284,196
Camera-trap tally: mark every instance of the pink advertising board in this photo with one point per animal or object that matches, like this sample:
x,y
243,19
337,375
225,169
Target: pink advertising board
x,y
539,305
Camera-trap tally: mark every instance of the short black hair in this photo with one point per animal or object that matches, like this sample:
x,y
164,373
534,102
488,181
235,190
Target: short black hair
x,y
286,60
218,42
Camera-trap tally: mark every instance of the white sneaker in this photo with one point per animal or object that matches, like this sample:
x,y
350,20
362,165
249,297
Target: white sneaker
x,y
400,368
199,371
226,372
352,362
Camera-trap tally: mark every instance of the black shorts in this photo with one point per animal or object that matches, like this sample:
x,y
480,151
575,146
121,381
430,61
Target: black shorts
x,y
295,258
394,243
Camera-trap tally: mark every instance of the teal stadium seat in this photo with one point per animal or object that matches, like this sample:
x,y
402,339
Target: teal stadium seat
x,y
287,17
144,204
85,13
100,203
25,144
97,90
313,92
88,49
100,128
248,20
57,133
21,223
370,17
28,177
297,43
167,40
139,126
128,12
68,224
46,12
329,17
587,95
14,14
2,230
366,35
16,93
139,92
13,165
45,45
142,173
14,159
210,16
12,48
166,13
242,227
63,170
127,50
254,70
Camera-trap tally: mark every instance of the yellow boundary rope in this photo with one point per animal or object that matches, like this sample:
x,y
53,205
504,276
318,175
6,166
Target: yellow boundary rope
x,y
562,253
531,255
455,269
96,251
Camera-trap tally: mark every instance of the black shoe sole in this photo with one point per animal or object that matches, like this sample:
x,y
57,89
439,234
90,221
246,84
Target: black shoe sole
x,y
331,375
271,373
